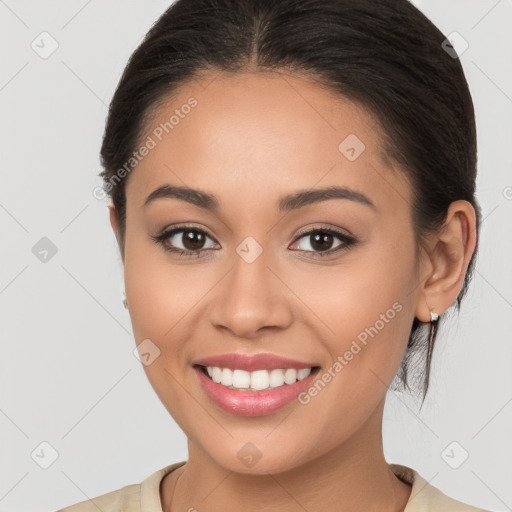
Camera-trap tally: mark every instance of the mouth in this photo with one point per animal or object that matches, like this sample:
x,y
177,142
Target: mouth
x,y
258,380
243,393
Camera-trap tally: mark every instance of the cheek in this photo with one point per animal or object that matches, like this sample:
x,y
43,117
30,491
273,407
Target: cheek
x,y
366,306
359,309
165,299
160,293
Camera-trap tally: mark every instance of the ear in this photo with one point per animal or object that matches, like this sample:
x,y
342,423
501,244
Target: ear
x,y
445,261
114,222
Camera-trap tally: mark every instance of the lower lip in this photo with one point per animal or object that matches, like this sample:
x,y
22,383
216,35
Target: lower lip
x,y
253,403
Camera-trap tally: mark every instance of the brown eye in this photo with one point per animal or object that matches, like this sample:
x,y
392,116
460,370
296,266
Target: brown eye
x,y
193,240
320,242
185,241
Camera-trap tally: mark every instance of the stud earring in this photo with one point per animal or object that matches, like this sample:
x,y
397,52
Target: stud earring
x,y
433,317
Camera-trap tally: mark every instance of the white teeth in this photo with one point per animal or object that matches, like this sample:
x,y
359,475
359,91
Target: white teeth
x,y
303,373
241,378
227,377
257,380
216,374
276,378
290,376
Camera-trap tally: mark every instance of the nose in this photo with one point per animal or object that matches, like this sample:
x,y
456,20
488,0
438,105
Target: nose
x,y
250,298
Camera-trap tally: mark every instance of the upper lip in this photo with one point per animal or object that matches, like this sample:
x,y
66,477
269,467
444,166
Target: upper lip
x,y
252,363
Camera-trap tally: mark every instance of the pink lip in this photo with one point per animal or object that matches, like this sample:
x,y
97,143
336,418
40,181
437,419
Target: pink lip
x,y
252,403
252,363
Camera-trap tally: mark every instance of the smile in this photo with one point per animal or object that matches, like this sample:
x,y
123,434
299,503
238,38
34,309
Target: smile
x,y
254,393
257,380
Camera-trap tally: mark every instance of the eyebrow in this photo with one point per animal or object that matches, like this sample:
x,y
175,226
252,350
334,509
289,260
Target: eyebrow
x,y
286,203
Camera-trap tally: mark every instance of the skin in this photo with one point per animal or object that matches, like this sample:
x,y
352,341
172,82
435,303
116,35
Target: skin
x,y
252,138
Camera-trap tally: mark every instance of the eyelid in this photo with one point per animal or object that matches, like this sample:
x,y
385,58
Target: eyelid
x,y
171,230
347,240
323,227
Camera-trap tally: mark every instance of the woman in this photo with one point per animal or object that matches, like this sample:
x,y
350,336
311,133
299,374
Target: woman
x,y
293,194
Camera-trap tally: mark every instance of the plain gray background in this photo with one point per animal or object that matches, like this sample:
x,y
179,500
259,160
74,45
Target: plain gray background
x,y
68,375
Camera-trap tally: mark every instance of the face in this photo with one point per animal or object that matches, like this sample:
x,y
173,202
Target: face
x,y
328,281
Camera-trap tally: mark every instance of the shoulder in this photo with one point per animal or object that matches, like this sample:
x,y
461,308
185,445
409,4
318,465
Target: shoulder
x,y
142,497
425,497
127,498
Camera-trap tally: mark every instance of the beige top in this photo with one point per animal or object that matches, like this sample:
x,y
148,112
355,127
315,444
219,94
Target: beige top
x,y
145,497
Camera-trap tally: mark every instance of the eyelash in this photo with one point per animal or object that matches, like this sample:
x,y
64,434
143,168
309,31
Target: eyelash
x,y
348,241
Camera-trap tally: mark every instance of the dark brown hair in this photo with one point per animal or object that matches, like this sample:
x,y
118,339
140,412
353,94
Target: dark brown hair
x,y
383,54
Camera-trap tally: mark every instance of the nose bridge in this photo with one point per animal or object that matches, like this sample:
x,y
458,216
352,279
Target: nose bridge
x,y
250,268
250,297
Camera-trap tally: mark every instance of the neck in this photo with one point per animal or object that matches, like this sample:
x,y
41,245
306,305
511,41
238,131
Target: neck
x,y
350,477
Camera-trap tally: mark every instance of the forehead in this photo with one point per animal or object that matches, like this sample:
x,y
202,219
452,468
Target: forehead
x,y
241,133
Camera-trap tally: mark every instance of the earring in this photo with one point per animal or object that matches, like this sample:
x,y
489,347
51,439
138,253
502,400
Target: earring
x,y
433,317
125,303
